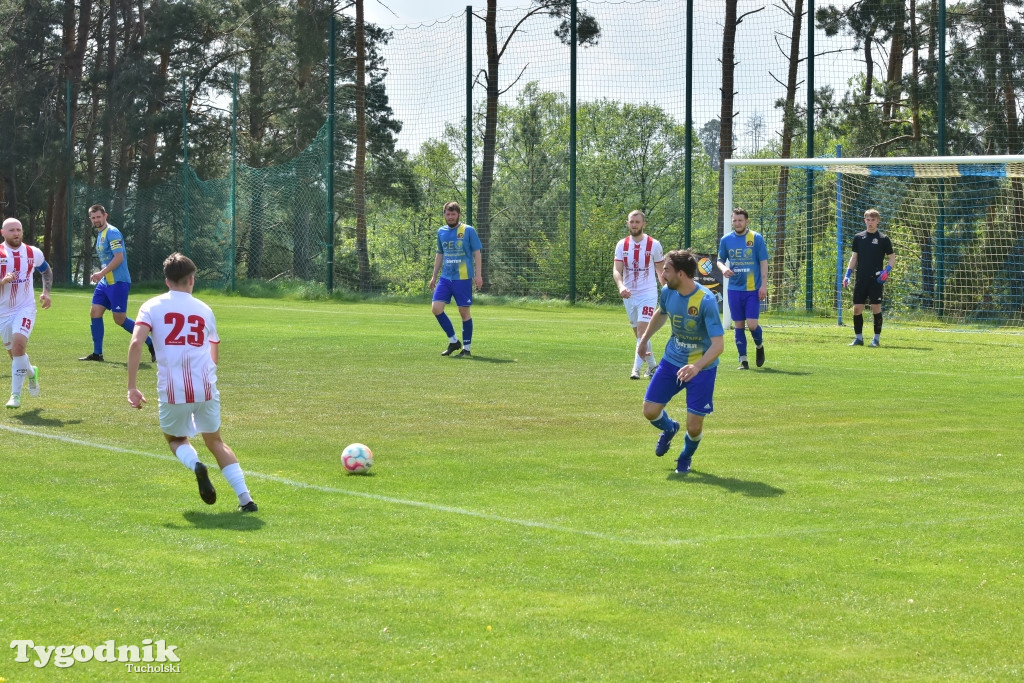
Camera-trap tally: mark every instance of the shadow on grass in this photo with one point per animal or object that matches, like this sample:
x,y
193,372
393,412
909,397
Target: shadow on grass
x,y
753,489
34,419
776,371
233,520
143,363
485,359
901,347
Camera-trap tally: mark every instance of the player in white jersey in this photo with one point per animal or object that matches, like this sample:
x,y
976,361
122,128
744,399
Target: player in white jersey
x,y
184,332
639,261
18,305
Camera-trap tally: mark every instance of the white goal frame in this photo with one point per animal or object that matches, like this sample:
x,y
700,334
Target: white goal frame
x,y
1012,163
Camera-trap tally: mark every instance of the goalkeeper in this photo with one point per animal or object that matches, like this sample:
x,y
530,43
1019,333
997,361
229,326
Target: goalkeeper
x,y
871,249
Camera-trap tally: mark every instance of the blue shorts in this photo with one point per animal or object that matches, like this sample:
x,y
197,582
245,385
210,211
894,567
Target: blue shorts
x,y
113,296
744,302
699,391
462,290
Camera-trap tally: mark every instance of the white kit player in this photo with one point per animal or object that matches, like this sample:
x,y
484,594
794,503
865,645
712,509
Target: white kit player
x,y
639,261
18,305
184,332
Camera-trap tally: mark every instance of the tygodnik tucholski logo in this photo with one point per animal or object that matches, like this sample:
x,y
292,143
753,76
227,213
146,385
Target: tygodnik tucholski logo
x,y
152,656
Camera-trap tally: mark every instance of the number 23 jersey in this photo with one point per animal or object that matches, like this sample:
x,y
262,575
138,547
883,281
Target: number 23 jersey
x,y
183,327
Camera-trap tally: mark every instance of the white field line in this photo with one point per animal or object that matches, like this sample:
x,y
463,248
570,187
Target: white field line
x,y
697,541
360,494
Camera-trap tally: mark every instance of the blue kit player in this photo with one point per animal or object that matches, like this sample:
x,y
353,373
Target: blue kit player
x,y
458,262
112,283
747,271
690,361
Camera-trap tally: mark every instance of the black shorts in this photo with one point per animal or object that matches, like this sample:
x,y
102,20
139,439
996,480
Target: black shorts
x,y
867,290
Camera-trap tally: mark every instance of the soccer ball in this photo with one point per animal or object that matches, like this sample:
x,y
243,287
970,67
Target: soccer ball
x,y
357,458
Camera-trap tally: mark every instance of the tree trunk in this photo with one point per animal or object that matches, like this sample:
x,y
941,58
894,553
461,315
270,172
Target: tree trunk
x,y
144,261
726,112
483,212
257,96
359,170
108,123
789,123
1007,84
894,77
915,74
869,64
76,36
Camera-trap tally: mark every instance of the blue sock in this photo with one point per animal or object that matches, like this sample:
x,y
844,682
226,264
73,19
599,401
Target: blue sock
x,y
467,332
757,335
446,325
741,342
128,325
664,422
97,335
691,445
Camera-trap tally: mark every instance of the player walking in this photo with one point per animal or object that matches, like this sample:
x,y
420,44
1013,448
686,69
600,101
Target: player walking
x,y
747,271
112,283
691,355
18,305
185,333
458,261
870,249
637,273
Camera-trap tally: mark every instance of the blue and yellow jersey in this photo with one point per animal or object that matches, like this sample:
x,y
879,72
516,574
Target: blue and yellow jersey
x,y
744,254
108,243
694,319
457,245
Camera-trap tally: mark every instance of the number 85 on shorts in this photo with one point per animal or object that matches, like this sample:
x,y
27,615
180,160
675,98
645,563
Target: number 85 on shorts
x,y
640,308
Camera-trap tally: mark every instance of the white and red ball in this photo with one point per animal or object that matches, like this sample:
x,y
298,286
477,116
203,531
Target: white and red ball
x,y
357,458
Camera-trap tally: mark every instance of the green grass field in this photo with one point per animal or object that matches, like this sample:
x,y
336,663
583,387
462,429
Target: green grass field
x,y
853,513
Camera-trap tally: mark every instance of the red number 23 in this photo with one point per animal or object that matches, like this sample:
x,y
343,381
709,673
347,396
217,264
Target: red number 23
x,y
196,334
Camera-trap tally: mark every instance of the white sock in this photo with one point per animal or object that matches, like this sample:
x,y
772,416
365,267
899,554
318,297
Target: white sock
x,y
233,473
188,456
466,345
452,339
637,362
20,369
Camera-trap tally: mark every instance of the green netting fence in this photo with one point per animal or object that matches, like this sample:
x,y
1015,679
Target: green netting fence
x,y
632,153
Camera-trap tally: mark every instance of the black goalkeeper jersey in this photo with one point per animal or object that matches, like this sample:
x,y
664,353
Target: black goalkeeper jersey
x,y
871,250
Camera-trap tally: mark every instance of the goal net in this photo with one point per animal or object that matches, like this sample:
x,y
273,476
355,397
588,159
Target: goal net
x,y
956,224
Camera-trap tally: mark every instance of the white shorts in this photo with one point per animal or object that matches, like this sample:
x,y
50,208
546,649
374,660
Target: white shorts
x,y
189,419
640,307
17,322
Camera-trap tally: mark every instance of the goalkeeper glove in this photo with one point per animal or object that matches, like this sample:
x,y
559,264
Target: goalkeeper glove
x,y
846,279
884,275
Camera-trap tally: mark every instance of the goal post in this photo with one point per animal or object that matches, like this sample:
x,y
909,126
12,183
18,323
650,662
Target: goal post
x,y
956,223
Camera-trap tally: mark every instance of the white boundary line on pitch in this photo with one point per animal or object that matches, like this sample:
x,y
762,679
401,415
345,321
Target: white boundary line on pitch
x,y
525,522
372,496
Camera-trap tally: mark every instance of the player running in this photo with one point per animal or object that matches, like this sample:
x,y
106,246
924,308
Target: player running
x,y
637,273
18,305
747,271
185,334
691,355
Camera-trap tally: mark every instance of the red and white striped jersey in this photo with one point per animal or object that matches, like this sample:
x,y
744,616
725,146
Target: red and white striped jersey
x,y
22,261
183,327
638,259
